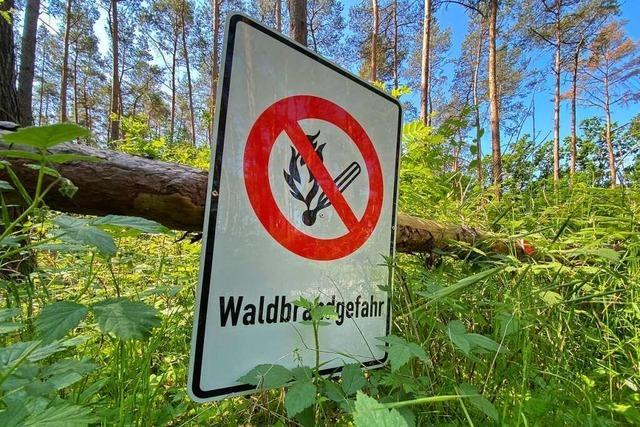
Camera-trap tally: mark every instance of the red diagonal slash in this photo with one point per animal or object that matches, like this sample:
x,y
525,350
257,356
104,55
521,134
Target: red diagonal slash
x,y
321,174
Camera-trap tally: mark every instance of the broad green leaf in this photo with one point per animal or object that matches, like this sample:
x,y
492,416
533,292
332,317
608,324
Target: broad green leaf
x,y
21,154
324,312
400,351
66,372
55,320
130,222
5,186
302,373
457,334
79,231
62,415
551,298
370,413
352,378
126,319
45,136
299,397
480,401
8,327
267,376
508,324
9,313
480,341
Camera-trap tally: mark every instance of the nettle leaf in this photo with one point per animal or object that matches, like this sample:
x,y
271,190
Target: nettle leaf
x,y
62,414
5,186
9,313
299,397
480,401
130,222
400,351
126,319
370,413
55,320
8,327
324,312
352,379
44,137
80,231
267,376
468,342
508,324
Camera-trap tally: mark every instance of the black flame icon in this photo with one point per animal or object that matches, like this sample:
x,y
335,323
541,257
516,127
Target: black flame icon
x,y
293,179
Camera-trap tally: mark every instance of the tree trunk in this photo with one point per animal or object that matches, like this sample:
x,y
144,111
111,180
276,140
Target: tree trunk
x,y
374,40
185,52
41,89
298,21
426,58
27,61
175,195
556,103
173,86
9,110
215,31
278,13
65,64
75,87
395,44
607,135
114,119
476,108
574,99
493,98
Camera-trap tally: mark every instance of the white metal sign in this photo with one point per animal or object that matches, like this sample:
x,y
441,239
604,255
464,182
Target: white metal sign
x,y
301,202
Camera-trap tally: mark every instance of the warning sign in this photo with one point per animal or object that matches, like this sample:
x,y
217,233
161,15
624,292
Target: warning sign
x,y
301,203
285,116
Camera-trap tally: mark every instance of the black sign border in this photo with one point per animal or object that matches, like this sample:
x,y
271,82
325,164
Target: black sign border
x,y
213,202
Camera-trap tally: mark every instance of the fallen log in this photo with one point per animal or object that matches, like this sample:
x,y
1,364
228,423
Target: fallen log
x,y
174,195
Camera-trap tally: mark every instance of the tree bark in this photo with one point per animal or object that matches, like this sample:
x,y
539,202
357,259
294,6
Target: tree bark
x,y
215,31
607,135
278,13
426,58
476,108
27,61
298,21
9,110
374,40
175,196
396,64
574,99
114,119
556,100
493,98
192,119
65,63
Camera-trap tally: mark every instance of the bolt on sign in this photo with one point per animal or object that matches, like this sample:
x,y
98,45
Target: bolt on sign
x,y
301,203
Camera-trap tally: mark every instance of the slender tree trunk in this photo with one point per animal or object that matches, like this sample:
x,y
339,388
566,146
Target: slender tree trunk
x,y
75,86
114,119
65,63
9,110
608,137
173,86
476,108
215,31
556,104
85,104
278,13
574,98
374,40
395,44
27,61
493,98
41,89
192,119
298,21
426,58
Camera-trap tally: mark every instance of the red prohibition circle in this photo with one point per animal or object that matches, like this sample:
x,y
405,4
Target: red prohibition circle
x,y
284,116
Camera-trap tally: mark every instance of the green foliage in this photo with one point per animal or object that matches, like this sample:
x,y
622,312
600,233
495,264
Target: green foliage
x,y
370,413
126,319
55,320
